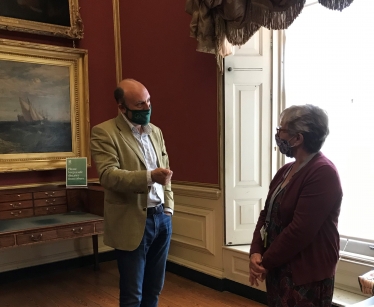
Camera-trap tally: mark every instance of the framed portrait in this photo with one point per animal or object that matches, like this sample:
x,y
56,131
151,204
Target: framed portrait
x,y
44,112
48,17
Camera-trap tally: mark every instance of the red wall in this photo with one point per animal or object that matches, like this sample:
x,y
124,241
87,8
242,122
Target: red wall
x,y
156,50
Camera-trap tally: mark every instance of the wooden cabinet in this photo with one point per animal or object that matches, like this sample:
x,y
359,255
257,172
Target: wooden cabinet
x,y
50,210
7,241
14,206
50,202
50,194
36,236
99,227
16,214
10,205
15,197
47,213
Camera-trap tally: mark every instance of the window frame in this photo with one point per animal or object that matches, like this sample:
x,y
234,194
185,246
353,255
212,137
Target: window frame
x,y
356,254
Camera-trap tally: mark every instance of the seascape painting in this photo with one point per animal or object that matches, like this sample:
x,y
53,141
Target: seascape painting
x,y
35,108
44,106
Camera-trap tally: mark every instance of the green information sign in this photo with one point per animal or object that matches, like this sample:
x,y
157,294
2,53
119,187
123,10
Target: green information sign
x,y
76,172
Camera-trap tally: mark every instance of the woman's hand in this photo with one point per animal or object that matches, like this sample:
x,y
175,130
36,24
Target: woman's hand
x,y
256,270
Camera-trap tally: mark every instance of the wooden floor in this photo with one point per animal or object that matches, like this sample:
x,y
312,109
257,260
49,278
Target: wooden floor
x,y
85,287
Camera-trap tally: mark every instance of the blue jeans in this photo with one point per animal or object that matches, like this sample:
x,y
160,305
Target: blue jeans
x,y
142,271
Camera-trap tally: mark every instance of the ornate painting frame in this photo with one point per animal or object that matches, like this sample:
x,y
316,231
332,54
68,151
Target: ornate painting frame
x,y
68,23
44,106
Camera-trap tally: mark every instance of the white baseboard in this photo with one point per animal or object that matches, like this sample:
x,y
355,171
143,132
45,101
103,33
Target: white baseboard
x,y
215,272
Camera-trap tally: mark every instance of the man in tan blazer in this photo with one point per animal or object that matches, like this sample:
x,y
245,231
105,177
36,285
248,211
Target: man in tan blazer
x,y
133,167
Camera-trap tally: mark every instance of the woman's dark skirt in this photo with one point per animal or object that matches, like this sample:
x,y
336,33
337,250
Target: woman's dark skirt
x,y
281,291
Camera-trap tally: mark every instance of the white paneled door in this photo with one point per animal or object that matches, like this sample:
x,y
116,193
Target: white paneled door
x,y
248,135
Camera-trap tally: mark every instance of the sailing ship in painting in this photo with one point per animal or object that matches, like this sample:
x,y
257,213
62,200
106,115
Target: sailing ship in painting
x,y
29,113
33,131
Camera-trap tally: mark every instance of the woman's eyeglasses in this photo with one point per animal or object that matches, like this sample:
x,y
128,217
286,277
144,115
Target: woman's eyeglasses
x,y
279,129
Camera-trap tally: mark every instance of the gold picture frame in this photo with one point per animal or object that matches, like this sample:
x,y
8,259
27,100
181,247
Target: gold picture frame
x,y
44,108
47,17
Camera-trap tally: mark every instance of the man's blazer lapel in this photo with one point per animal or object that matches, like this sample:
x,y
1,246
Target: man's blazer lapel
x,y
128,137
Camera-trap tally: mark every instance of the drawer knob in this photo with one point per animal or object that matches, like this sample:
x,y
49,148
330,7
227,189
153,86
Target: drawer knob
x,y
37,238
78,230
16,214
15,205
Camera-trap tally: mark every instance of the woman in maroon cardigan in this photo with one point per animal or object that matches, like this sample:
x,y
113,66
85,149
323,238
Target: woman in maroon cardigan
x,y
296,241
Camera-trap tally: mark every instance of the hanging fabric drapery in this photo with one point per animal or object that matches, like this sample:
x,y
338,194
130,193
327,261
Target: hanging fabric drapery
x,y
220,24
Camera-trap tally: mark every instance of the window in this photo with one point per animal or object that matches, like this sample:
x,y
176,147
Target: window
x,y
329,62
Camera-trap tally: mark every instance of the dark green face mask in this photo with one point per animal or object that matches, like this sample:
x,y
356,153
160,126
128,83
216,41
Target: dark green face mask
x,y
140,117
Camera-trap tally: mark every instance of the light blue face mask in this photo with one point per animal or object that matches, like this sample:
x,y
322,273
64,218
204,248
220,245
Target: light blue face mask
x,y
140,117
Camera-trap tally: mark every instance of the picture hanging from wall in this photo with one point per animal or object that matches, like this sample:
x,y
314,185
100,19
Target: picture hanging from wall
x,y
48,17
43,106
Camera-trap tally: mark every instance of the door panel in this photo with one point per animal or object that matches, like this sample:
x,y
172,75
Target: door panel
x,y
247,135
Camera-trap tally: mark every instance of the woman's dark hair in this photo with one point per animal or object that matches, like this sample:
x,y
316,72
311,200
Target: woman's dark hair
x,y
309,120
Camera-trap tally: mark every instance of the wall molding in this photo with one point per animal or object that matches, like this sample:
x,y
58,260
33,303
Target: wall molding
x,y
220,128
200,219
236,267
183,188
117,40
43,184
196,191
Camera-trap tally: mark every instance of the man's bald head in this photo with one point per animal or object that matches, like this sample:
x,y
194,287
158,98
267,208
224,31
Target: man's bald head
x,y
127,84
128,89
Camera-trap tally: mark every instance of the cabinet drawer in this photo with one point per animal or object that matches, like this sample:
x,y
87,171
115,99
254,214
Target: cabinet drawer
x,y
50,201
16,205
99,227
16,214
50,210
15,197
75,231
50,194
7,241
35,236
